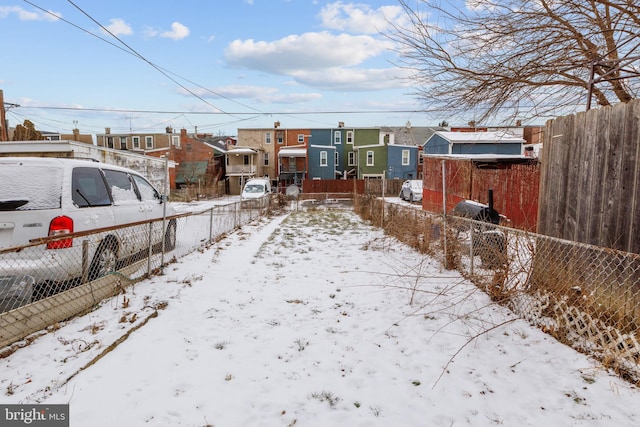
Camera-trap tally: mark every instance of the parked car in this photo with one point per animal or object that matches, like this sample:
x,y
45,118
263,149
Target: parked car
x,y
256,188
44,197
411,190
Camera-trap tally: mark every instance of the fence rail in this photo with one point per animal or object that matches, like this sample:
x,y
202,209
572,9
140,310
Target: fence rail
x,y
585,296
71,283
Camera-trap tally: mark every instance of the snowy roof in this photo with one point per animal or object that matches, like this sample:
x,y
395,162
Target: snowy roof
x,y
242,151
292,152
480,137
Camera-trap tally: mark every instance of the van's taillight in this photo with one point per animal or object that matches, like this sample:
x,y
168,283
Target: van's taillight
x,y
60,225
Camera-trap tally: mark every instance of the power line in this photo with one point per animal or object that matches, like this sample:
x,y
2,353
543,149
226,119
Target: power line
x,y
133,52
271,113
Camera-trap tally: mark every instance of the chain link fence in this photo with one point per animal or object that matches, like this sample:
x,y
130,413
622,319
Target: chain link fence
x,y
585,296
56,278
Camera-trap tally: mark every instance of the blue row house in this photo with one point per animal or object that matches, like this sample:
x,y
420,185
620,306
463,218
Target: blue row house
x,y
474,143
380,156
322,161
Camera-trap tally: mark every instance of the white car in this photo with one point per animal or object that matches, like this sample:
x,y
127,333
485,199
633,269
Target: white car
x,y
42,197
256,188
411,190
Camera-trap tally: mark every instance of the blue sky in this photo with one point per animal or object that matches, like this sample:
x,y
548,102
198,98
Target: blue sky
x,y
251,61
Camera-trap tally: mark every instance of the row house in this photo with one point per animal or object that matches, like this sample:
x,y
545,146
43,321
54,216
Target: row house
x,y
199,158
139,142
289,156
277,153
390,152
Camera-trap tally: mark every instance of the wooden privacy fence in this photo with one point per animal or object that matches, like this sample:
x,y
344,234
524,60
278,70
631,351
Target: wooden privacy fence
x,y
359,186
590,184
515,186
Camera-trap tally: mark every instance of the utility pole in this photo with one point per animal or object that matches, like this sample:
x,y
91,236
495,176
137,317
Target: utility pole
x,y
4,132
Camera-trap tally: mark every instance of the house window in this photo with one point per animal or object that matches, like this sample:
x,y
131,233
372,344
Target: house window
x,y
280,139
352,158
123,142
148,142
337,160
267,137
109,142
406,157
301,138
349,137
175,141
370,159
337,137
266,159
323,158
189,147
136,142
246,160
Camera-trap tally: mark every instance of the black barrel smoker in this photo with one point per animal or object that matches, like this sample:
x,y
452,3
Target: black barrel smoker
x,y
488,241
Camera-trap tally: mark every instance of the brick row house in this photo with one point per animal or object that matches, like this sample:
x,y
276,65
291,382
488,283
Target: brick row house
x,y
199,158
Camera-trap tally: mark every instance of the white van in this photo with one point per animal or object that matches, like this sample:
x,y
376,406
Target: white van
x,y
256,188
43,197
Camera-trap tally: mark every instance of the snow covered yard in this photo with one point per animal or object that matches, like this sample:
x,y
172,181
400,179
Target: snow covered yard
x,y
311,319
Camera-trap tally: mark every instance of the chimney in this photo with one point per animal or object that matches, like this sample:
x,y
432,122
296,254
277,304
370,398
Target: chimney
x,y
340,124
169,129
107,131
276,125
76,134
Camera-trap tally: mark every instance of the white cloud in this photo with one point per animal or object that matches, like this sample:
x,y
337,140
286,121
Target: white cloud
x,y
178,32
320,60
359,18
354,79
118,27
150,32
25,15
259,94
309,51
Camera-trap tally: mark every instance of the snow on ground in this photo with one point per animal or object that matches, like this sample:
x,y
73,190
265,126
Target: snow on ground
x,y
311,319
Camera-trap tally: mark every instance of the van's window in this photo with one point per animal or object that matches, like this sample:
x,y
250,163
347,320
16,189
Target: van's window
x,y
21,189
88,188
254,188
147,192
121,185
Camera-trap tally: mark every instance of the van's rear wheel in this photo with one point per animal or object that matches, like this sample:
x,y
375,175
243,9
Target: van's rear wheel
x,y
104,261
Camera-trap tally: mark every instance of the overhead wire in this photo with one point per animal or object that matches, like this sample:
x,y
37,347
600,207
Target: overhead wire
x,y
129,50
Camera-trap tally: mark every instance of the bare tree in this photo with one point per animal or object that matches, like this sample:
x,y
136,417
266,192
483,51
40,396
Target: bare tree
x,y
520,58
